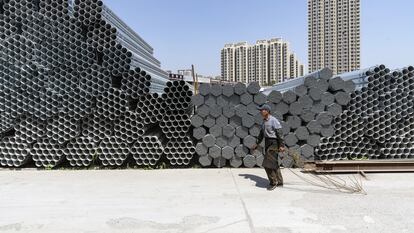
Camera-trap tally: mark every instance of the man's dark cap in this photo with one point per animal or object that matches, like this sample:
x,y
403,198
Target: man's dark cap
x,y
265,107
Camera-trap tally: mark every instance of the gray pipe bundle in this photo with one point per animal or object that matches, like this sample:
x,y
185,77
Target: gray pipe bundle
x,y
308,111
78,84
227,123
377,123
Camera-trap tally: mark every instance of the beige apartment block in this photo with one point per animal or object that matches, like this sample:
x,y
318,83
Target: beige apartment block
x,y
334,35
267,62
228,63
241,62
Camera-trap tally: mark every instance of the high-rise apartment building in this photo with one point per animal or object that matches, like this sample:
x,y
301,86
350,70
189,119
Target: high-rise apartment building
x,y
261,64
334,35
228,63
267,62
240,53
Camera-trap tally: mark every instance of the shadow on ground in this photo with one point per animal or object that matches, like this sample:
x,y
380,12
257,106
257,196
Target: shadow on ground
x,y
260,181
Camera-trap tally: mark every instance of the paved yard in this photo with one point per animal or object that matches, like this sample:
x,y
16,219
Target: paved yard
x,y
202,200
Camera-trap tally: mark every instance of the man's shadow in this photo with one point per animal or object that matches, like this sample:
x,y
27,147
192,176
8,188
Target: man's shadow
x,y
260,181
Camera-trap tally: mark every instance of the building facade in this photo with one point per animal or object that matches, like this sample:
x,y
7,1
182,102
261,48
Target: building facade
x,y
240,53
227,63
267,62
334,35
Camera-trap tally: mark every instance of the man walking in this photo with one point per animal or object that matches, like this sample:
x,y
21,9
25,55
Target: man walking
x,y
271,132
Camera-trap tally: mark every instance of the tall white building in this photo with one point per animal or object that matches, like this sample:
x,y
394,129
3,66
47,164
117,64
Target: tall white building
x,y
334,35
241,63
267,62
251,63
228,63
276,66
296,68
261,62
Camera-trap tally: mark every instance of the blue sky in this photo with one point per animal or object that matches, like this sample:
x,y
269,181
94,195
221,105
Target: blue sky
x,y
185,32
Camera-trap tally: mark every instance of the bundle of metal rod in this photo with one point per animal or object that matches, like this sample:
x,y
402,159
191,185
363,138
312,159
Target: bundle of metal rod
x,y
307,80
151,109
14,152
80,152
307,108
111,104
135,83
29,128
75,76
179,151
117,60
178,107
148,150
6,123
77,104
227,123
129,127
95,80
51,8
61,128
377,123
102,36
21,90
47,105
113,151
47,153
87,11
97,127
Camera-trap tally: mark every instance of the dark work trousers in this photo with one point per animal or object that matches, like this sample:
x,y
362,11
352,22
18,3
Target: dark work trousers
x,y
271,163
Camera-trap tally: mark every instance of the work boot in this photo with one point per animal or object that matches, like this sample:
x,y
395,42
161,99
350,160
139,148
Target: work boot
x,y
271,187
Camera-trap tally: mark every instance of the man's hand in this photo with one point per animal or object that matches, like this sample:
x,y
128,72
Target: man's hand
x,y
281,150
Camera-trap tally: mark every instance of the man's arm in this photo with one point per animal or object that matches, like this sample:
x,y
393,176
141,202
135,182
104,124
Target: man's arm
x,y
260,138
279,135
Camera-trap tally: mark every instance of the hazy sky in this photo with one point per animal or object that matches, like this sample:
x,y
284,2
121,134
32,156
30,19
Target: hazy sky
x,y
185,32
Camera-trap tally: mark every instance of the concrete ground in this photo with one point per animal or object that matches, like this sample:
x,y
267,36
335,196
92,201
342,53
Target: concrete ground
x,y
202,200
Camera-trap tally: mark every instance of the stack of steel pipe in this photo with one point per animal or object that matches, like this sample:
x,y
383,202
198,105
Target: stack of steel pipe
x,y
307,110
95,80
78,83
14,152
61,128
76,80
151,108
227,123
29,128
111,104
135,83
227,117
80,152
129,127
47,153
179,151
21,90
377,123
324,73
113,151
176,123
148,150
97,128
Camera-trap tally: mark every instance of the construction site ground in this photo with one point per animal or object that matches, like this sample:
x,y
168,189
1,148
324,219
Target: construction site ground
x,y
198,200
